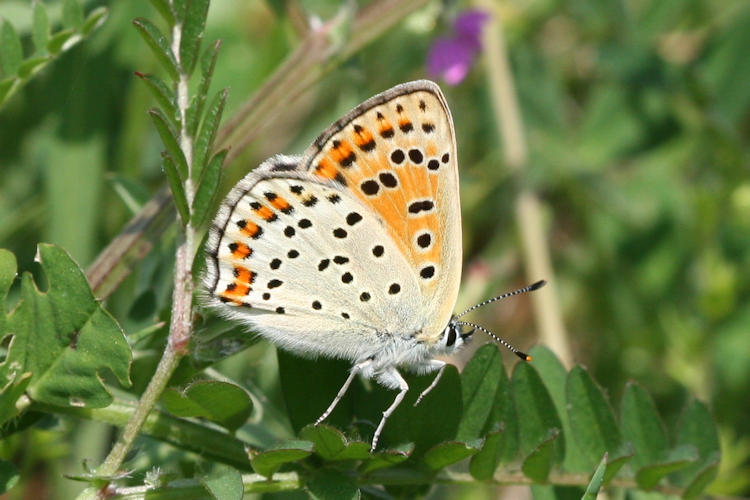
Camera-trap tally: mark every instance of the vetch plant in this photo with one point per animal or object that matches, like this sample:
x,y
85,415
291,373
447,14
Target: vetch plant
x,y
64,356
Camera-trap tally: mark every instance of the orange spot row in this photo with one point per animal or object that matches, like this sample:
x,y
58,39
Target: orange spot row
x,y
404,124
385,129
280,203
243,275
342,152
251,229
326,169
265,213
363,139
234,291
240,250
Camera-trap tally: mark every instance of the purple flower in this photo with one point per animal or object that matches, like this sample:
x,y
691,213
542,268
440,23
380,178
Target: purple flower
x,y
451,57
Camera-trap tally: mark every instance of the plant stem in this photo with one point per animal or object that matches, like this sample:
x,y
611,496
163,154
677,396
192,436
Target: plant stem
x,y
528,207
115,458
180,327
287,481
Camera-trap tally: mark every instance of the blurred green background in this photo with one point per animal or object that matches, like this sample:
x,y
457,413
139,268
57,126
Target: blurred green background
x,y
637,117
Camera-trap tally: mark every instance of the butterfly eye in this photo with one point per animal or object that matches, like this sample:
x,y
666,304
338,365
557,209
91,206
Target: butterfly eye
x,y
451,337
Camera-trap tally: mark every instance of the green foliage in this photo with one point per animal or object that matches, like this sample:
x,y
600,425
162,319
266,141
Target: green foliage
x,y
226,404
266,463
635,116
61,339
15,70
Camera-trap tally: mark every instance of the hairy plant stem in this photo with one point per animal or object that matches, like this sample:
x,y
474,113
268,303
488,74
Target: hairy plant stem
x,y
180,327
289,481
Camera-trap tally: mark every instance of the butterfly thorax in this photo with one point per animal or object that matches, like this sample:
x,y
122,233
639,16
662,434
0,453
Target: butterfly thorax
x,y
406,351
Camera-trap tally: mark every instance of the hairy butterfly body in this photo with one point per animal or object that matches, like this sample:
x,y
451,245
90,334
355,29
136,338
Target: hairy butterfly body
x,y
352,250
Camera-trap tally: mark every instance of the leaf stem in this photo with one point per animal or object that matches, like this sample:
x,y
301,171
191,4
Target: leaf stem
x,y
180,327
116,456
197,436
287,481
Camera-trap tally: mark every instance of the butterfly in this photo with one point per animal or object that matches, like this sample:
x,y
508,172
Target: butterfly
x,y
353,250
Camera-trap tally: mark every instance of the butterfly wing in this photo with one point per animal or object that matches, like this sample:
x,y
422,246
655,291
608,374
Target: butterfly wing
x,y
396,153
301,262
331,253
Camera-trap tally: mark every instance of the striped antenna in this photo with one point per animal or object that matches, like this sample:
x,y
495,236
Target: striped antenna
x,y
497,339
534,286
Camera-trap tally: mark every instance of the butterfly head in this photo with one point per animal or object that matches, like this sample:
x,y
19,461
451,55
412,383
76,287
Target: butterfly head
x,y
454,336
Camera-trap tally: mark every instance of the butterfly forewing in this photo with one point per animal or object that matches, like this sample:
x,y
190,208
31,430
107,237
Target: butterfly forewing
x,y
396,154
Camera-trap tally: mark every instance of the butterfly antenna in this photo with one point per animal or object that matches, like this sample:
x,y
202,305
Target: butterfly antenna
x,y
497,339
530,288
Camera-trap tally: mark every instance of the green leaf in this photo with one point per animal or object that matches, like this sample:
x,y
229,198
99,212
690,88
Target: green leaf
x,y
164,97
192,33
266,463
616,460
219,339
331,444
642,427
554,376
223,482
592,422
330,484
485,462
8,476
179,7
433,421
649,476
14,388
159,45
450,452
32,65
723,70
479,382
387,458
40,27
11,54
207,188
208,62
72,14
164,10
170,140
5,88
8,273
592,490
226,404
696,427
538,464
63,337
61,39
701,480
96,18
504,417
204,141
305,398
175,185
537,417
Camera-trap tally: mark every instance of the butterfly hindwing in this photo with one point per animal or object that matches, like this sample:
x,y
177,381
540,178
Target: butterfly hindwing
x,y
295,257
396,153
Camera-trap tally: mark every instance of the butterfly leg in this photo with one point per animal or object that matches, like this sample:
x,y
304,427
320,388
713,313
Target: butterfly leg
x,y
434,364
392,375
355,369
